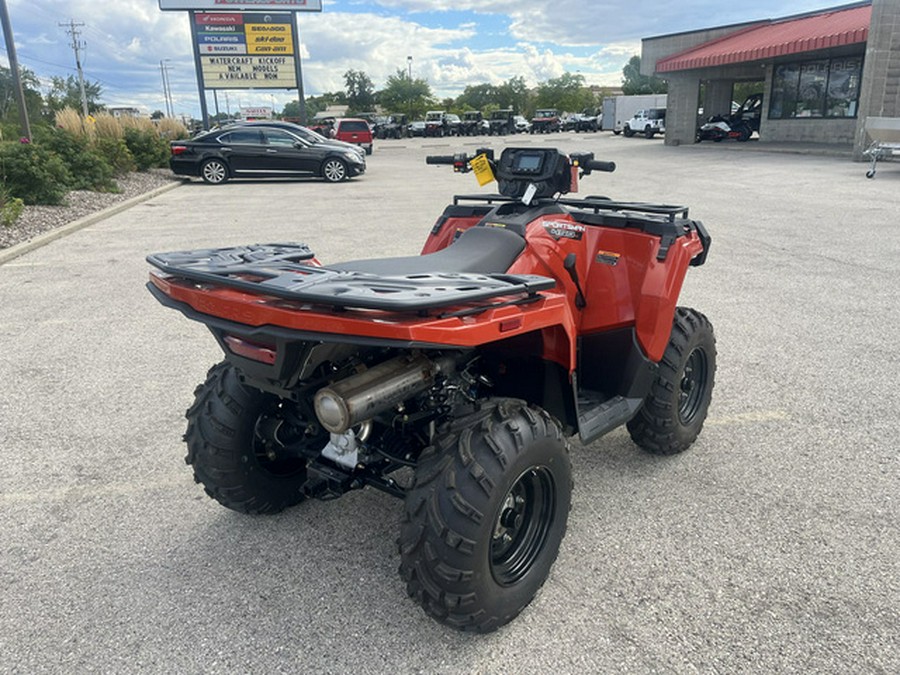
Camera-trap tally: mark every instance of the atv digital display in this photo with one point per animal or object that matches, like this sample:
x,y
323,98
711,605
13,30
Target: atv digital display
x,y
529,163
545,168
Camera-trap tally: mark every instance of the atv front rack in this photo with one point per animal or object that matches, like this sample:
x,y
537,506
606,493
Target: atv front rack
x,y
281,270
666,221
669,212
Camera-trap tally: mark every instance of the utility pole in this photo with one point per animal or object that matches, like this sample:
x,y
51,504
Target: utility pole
x,y
14,70
167,90
77,45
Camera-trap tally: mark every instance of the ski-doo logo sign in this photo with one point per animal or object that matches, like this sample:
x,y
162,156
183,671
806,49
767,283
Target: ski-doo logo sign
x,y
564,230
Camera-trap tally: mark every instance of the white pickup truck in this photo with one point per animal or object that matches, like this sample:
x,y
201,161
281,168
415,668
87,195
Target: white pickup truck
x,y
650,121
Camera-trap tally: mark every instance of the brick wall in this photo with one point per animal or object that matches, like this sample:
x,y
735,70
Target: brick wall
x,y
880,93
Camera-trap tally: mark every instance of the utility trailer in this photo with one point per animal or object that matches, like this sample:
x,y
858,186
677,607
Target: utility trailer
x,y
885,135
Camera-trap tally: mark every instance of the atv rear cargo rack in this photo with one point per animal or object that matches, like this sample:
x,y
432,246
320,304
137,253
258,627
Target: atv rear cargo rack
x,y
280,270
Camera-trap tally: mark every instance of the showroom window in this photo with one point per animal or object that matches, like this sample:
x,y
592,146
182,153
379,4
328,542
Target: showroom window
x,y
821,88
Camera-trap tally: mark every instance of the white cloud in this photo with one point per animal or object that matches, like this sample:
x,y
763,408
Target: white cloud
x,y
453,42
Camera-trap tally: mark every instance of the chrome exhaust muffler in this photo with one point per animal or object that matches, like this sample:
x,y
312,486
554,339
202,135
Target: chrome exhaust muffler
x,y
355,399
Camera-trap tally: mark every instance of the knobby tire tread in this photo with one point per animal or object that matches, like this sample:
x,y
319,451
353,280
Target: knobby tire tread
x,y
456,479
656,428
219,439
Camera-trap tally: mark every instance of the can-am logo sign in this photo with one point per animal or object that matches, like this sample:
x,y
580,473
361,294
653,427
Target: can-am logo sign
x,y
239,5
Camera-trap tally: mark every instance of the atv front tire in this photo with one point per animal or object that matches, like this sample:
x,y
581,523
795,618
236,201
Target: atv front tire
x,y
484,520
229,449
676,407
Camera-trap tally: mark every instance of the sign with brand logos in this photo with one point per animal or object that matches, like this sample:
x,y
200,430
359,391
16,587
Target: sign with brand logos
x,y
246,51
243,5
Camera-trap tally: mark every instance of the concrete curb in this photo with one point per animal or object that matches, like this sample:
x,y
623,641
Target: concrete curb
x,y
17,250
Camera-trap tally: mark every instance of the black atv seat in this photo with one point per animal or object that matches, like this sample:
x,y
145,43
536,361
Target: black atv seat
x,y
479,250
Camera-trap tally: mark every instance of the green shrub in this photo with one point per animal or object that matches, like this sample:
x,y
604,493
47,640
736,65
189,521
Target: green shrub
x,y
33,173
117,154
88,167
147,148
10,207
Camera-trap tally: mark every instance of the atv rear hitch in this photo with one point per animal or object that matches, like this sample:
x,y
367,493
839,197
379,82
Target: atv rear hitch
x,y
328,482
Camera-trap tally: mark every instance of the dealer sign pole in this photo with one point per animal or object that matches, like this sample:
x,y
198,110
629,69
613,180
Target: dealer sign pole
x,y
198,68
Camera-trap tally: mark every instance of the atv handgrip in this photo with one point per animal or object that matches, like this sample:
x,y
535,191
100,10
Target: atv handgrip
x,y
441,159
597,165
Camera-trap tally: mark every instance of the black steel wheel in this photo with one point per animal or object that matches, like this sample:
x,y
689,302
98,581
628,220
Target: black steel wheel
x,y
334,170
214,171
676,407
233,446
628,131
522,525
485,517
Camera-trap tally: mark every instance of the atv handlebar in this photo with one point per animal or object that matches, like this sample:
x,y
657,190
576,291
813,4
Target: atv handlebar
x,y
598,165
440,159
460,162
586,162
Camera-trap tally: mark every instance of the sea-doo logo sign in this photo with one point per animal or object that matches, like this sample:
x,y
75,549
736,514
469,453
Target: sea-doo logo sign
x,y
564,230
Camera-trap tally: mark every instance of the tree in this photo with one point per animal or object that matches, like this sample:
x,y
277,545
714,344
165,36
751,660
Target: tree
x,y
34,102
635,83
565,93
403,95
157,115
477,97
513,94
360,91
292,109
65,93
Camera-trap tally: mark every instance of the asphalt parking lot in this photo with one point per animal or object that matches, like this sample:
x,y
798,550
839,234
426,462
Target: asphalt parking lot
x,y
771,546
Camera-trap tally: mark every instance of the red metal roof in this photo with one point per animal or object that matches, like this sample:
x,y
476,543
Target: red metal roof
x,y
831,28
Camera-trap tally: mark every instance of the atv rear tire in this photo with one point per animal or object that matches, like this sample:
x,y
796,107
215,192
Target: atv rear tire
x,y
676,407
484,520
227,446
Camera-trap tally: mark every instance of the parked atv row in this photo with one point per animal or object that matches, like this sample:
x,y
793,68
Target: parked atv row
x,y
453,379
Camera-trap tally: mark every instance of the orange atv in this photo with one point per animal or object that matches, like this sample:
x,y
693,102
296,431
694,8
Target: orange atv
x,y
452,379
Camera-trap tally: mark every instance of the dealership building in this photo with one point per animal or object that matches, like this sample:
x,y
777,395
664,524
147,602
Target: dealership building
x,y
821,73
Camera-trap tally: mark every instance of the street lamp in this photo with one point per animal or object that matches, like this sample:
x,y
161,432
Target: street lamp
x,y
409,86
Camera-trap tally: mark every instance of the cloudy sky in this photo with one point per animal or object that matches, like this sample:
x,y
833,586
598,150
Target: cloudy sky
x,y
453,42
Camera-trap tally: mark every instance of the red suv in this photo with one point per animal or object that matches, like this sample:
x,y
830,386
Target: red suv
x,y
356,131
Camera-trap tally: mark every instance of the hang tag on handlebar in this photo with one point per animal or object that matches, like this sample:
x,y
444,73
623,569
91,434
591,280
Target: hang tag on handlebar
x,y
482,168
529,194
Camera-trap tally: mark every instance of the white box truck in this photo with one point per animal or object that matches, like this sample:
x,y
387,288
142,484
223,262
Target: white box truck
x,y
617,110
